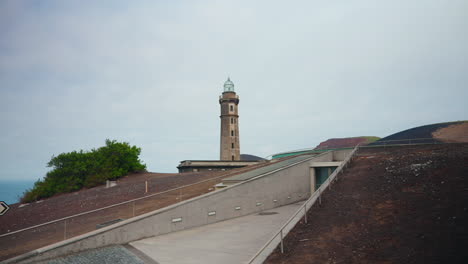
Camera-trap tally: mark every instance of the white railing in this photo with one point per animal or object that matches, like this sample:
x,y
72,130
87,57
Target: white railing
x,y
180,188
71,226
400,142
278,237
392,142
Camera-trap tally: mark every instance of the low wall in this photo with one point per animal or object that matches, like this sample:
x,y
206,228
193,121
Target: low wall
x,y
327,156
340,155
277,238
337,155
277,188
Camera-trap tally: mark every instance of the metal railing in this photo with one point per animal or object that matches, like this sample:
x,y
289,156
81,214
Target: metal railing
x,y
399,142
378,143
19,241
26,239
278,237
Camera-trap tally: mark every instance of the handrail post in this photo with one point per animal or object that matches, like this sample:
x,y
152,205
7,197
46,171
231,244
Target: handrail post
x,y
305,213
294,217
65,230
320,196
282,247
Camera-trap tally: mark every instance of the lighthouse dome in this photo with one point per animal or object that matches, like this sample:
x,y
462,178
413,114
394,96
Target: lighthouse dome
x,y
228,86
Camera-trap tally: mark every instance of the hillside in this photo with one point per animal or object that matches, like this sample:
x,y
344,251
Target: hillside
x,y
130,187
334,143
452,133
441,132
392,205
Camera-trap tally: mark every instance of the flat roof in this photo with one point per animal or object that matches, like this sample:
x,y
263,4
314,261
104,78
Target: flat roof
x,y
256,172
325,164
214,163
221,161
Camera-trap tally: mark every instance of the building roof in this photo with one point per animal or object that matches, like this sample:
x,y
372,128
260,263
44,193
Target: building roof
x,y
257,172
215,163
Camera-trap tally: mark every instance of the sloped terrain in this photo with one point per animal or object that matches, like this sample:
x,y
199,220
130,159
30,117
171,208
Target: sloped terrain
x,y
453,133
330,144
334,143
392,205
130,187
423,132
62,205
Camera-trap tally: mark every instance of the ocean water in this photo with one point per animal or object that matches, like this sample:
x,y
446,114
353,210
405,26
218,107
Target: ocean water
x,y
11,190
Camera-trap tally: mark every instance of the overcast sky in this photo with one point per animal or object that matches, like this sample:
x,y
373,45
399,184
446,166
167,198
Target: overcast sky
x,y
73,73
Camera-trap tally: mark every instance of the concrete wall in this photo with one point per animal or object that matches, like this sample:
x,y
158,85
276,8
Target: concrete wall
x,y
312,180
283,186
327,156
212,165
340,155
204,168
263,253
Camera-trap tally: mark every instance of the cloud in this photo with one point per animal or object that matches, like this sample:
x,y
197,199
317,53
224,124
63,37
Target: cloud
x,y
150,73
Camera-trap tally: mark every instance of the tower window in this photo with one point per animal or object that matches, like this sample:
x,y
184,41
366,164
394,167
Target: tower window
x,y
232,145
232,157
232,120
232,133
232,108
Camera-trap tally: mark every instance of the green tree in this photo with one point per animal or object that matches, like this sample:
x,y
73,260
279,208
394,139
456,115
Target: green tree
x,y
75,170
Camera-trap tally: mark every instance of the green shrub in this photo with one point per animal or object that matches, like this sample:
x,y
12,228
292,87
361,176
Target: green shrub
x,y
75,170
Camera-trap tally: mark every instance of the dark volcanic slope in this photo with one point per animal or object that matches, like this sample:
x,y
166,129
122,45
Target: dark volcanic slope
x,y
393,205
63,205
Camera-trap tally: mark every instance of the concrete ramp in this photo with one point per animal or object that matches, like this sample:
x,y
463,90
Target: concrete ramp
x,y
232,241
283,186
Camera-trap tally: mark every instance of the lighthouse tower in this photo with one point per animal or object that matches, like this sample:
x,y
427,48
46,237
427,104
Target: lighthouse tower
x,y
230,149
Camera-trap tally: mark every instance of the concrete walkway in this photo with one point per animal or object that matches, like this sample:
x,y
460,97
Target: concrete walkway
x,y
231,241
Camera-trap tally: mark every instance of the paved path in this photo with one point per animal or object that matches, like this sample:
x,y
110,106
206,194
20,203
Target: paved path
x,y
231,241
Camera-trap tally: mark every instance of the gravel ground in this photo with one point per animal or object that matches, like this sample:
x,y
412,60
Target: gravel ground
x,y
392,205
107,255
